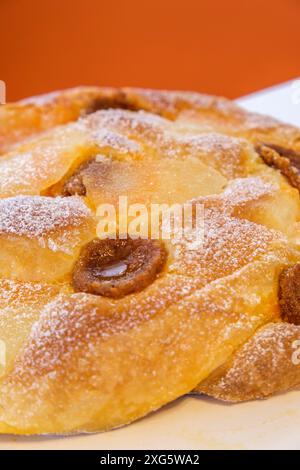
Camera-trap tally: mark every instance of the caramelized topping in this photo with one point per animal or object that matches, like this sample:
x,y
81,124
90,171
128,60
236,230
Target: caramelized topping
x,y
289,294
292,155
115,268
119,101
75,186
284,159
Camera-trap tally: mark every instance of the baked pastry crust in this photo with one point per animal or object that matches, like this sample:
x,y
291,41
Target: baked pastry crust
x,y
207,319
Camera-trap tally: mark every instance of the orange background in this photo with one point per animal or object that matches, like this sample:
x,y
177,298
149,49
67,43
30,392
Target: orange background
x,y
230,47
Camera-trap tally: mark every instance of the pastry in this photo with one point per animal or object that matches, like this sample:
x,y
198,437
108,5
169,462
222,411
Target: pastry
x,y
99,332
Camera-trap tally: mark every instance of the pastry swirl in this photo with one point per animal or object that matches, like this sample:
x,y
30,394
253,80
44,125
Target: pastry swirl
x,y
99,333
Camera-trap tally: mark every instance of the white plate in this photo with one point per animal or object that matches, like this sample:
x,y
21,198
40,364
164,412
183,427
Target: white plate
x,y
281,101
202,423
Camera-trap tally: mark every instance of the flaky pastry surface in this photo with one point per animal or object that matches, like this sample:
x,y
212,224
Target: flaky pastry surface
x,y
87,357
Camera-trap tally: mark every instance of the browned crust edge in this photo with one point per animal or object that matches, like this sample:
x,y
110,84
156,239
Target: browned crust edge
x,y
269,363
281,162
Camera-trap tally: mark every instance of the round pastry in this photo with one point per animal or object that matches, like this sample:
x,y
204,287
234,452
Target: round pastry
x,y
98,332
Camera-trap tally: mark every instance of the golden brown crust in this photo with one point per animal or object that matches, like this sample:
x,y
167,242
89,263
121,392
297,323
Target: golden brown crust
x,y
88,362
267,364
285,160
29,117
289,294
292,155
34,115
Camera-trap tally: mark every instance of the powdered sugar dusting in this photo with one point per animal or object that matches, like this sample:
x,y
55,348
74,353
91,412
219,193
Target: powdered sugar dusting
x,y
168,102
242,191
118,142
35,216
15,293
125,120
226,154
263,366
229,243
